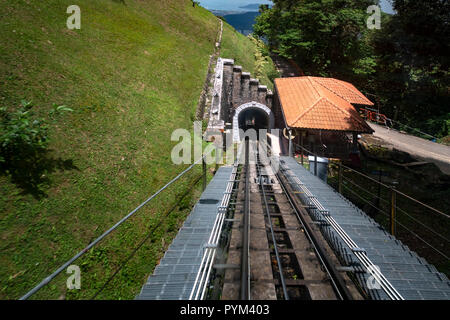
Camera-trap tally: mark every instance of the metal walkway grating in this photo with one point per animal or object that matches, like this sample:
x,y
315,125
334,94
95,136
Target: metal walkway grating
x,y
410,274
174,277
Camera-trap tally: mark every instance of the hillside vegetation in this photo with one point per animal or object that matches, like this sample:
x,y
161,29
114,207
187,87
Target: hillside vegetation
x,y
132,74
252,55
402,65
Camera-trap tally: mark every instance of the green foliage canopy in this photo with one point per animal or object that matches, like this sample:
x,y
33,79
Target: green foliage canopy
x,y
404,67
412,51
324,36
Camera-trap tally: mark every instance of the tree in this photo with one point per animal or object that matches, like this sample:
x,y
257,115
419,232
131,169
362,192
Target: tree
x,y
323,36
405,65
412,52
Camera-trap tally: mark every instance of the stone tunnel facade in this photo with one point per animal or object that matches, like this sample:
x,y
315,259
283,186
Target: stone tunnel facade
x,y
237,100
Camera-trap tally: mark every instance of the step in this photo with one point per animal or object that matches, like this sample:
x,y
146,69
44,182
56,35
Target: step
x,y
245,88
254,84
236,100
262,93
180,261
269,99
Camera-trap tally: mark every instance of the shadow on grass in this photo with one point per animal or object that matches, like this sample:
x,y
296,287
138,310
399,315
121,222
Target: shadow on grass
x,y
31,173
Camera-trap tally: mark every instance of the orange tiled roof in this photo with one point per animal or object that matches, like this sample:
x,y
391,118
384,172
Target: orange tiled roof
x,y
321,103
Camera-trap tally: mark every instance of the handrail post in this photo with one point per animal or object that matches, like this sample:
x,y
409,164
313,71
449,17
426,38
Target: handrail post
x,y
301,145
315,164
340,177
290,143
393,210
204,173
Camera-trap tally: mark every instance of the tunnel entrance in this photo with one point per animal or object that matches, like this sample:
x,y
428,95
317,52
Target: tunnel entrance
x,y
251,115
253,118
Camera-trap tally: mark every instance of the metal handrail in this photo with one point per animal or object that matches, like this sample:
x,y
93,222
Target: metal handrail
x,y
399,193
395,190
387,202
106,233
380,183
360,253
375,116
201,280
314,204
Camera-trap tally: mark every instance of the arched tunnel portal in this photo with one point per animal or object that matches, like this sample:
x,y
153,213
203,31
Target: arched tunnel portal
x,y
252,115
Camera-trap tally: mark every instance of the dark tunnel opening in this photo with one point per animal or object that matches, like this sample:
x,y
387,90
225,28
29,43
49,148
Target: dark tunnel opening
x,y
253,118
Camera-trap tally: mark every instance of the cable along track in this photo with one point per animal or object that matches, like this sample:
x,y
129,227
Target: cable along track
x,y
268,252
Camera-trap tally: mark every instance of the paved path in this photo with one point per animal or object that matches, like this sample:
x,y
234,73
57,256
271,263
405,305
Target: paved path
x,y
284,67
416,147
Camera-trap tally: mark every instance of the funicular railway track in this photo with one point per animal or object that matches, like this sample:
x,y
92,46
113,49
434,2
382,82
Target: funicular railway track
x,y
273,252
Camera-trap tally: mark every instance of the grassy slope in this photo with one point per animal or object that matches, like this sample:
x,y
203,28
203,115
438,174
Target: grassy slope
x,y
238,47
132,76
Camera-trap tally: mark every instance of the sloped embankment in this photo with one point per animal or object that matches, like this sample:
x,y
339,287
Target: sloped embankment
x,y
132,75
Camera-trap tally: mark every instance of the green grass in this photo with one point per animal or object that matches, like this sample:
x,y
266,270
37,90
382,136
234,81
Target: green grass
x,y
238,47
132,75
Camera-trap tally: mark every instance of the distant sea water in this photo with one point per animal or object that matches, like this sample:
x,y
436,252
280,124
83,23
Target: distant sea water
x,y
241,14
231,5
236,5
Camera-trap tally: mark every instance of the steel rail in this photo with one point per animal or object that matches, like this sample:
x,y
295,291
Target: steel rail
x,y
206,273
245,275
202,277
269,218
360,253
200,284
335,278
203,274
106,233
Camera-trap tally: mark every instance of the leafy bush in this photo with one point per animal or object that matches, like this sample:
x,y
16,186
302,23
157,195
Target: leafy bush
x,y
262,58
439,126
21,136
273,74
